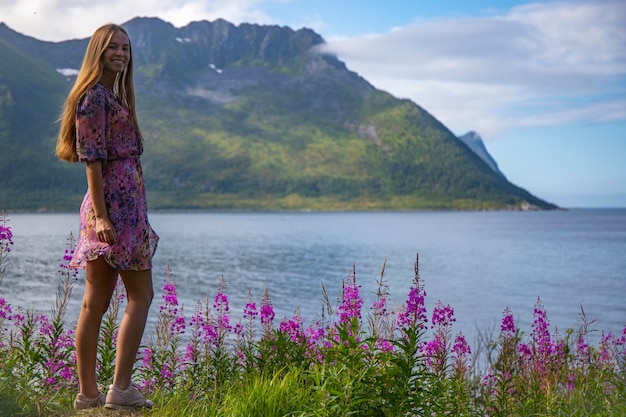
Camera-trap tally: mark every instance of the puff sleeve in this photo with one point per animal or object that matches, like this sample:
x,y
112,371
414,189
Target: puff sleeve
x,y
92,126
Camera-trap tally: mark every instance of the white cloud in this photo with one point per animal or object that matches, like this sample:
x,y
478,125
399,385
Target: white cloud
x,y
56,20
541,64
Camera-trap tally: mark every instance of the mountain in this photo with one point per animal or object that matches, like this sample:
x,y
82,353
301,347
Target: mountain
x,y
247,116
476,144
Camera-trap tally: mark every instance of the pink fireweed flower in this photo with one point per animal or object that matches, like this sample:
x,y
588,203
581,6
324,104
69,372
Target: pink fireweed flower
x,y
541,333
582,349
197,319
169,294
166,374
350,307
18,318
379,307
170,307
64,266
314,333
525,351
146,358
238,329
68,255
460,347
508,324
221,302
250,310
209,334
221,306
267,313
414,314
490,380
292,327
6,238
178,326
45,327
223,322
191,352
443,315
434,351
605,350
462,352
384,345
5,310
5,233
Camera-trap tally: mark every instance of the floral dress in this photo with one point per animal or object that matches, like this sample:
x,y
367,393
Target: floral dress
x,y
105,131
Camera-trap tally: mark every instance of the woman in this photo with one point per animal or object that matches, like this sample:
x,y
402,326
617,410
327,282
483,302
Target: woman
x,y
99,127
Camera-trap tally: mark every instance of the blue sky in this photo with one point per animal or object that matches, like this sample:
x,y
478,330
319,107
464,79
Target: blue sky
x,y
543,82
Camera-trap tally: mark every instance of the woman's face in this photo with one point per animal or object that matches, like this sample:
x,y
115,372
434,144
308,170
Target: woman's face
x,y
116,55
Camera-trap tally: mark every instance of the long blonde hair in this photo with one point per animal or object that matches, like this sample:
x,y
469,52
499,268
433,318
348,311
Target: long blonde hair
x,y
88,76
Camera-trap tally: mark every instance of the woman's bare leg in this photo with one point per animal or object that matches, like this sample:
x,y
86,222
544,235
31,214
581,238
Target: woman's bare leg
x,y
139,293
99,285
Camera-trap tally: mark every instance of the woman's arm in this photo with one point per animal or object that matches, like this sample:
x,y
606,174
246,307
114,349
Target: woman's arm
x,y
104,228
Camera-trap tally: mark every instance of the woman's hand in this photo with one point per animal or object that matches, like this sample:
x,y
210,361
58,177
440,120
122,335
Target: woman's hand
x,y
105,231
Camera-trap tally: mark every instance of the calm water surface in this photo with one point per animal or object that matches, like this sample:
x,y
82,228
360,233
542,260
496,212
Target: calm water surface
x,y
478,262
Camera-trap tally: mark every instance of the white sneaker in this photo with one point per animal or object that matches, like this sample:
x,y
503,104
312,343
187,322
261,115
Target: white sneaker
x,y
82,402
129,398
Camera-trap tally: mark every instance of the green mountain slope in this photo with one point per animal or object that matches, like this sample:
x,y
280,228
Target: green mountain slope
x,y
31,93
245,116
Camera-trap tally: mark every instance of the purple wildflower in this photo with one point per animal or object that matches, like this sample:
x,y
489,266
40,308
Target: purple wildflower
x,y
250,310
605,350
223,322
169,309
5,309
314,334
380,306
582,349
6,236
462,352
169,294
525,351
267,313
384,345
146,358
540,333
414,314
209,334
508,324
178,326
434,351
292,327
570,385
350,307
460,347
221,302
443,315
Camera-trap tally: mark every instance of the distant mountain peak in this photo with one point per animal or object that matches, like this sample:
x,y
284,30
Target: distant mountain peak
x,y
475,142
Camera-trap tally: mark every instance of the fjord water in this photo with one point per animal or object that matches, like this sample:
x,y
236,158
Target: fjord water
x,y
478,262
